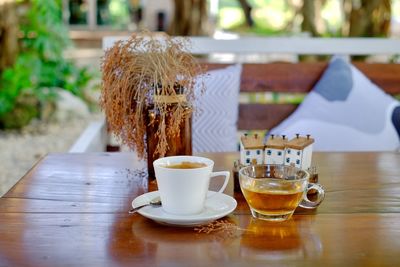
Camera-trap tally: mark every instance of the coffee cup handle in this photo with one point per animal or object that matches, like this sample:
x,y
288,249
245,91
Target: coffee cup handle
x,y
222,173
308,204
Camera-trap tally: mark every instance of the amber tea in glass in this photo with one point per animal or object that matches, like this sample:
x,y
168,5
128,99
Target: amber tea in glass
x,y
273,192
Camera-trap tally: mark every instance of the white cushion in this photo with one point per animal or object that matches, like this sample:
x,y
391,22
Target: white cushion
x,y
345,111
214,122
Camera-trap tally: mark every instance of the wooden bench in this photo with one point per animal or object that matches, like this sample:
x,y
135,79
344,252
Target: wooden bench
x,y
295,78
280,77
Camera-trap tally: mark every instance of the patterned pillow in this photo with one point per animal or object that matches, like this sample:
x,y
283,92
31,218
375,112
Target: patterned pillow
x,y
345,111
214,122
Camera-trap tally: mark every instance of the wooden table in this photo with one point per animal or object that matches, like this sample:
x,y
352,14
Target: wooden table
x,y
71,210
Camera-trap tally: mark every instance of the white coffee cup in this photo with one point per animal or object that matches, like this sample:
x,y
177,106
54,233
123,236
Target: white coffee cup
x,y
184,191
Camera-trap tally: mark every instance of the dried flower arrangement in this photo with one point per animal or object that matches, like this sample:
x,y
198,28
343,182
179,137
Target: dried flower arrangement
x,y
146,69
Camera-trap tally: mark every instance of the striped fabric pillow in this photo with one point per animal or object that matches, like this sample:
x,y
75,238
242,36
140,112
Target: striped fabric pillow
x,y
214,122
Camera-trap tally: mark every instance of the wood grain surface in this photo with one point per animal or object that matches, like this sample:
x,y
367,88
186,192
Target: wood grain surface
x,y
302,76
71,210
263,116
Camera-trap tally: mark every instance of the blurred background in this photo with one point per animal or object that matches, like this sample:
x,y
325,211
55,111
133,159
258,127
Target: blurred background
x,y
50,54
90,19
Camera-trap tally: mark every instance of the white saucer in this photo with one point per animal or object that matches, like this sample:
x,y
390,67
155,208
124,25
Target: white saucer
x,y
216,207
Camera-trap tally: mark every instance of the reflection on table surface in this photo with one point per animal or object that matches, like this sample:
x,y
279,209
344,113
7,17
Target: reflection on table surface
x,y
234,238
291,239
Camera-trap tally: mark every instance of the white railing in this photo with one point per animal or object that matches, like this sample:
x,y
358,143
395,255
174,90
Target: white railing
x,y
93,139
292,45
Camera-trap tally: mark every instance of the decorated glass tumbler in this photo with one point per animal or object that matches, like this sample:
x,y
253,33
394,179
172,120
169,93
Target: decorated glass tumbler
x,y
273,192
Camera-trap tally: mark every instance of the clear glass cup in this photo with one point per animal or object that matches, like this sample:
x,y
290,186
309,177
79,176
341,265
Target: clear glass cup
x,y
273,192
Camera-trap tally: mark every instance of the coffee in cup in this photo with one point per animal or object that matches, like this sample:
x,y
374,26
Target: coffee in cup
x,y
183,183
186,165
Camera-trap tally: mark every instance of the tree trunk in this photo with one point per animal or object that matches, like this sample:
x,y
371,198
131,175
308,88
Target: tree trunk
x,y
190,18
312,21
247,12
370,18
308,24
8,34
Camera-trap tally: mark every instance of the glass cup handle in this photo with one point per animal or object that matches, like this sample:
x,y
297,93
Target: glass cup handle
x,y
215,174
308,204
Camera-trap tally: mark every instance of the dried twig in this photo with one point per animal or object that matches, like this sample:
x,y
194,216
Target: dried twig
x,y
224,228
136,70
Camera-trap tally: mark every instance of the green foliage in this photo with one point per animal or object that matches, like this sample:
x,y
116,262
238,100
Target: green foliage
x,y
25,109
40,66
